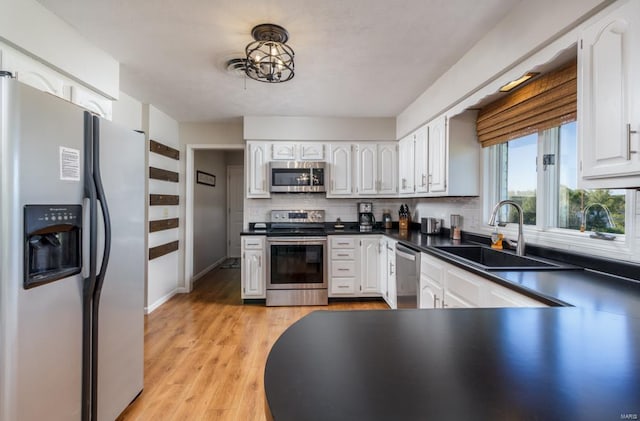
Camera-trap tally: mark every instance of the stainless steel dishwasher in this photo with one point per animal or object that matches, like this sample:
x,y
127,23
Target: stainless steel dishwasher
x,y
407,276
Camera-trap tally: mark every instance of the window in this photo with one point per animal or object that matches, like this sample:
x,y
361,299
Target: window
x,y
540,172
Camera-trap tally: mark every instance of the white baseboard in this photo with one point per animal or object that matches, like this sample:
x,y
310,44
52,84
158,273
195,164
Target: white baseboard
x,y
207,269
160,301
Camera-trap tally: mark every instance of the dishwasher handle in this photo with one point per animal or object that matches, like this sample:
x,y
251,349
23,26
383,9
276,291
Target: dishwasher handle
x,y
406,252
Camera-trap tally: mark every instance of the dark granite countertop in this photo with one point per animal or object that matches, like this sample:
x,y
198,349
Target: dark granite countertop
x,y
581,361
456,364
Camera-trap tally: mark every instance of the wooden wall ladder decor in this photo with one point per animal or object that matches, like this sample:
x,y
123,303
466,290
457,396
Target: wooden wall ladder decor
x,y
163,199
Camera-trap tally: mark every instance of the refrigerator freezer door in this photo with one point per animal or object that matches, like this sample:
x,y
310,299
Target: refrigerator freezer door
x,y
40,371
121,325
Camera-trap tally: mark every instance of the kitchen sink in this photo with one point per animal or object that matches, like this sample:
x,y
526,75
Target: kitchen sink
x,y
491,259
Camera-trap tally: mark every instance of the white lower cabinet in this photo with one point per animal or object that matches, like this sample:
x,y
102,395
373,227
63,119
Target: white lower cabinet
x,y
253,268
353,266
443,285
369,274
431,282
388,271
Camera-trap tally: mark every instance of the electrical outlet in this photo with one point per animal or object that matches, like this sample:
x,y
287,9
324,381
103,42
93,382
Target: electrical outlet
x,y
165,212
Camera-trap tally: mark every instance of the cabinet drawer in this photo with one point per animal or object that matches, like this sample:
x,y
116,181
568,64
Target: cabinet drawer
x,y
343,286
343,268
253,242
343,254
343,242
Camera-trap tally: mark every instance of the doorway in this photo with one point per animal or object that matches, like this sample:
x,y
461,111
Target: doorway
x,y
208,213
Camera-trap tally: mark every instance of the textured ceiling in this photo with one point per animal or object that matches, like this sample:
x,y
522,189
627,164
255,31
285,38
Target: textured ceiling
x,y
354,58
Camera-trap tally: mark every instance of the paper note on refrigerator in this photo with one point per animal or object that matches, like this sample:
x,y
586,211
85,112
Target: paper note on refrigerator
x,y
69,164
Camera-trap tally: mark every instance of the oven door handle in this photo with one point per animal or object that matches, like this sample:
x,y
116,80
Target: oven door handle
x,y
298,240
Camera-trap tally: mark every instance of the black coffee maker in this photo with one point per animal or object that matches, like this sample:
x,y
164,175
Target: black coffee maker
x,y
366,220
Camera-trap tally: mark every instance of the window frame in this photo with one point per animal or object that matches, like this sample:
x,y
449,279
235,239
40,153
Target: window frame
x,y
544,232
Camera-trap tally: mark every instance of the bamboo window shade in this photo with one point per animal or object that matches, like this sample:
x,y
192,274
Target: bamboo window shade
x,y
546,102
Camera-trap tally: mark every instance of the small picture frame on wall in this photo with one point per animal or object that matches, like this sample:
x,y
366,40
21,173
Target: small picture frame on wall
x,y
205,178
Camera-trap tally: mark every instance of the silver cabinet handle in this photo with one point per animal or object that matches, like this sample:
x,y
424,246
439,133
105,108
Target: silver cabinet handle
x,y
343,269
343,286
391,269
629,133
259,260
252,244
342,255
424,180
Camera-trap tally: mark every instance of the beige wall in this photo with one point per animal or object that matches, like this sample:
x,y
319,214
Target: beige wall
x,y
319,128
209,212
227,133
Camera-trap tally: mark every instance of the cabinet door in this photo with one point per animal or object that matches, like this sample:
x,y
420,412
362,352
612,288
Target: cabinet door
x,y
609,102
340,169
406,166
283,151
33,73
392,295
387,181
431,293
437,155
369,278
93,102
367,169
462,289
253,274
608,106
312,151
421,160
257,166
382,266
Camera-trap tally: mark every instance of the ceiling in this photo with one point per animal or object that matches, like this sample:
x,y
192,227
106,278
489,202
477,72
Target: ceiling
x,y
354,58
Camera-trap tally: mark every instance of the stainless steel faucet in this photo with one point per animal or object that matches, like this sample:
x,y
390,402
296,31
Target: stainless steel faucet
x,y
520,244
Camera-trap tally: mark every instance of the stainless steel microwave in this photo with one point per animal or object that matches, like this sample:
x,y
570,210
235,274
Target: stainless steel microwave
x,y
297,177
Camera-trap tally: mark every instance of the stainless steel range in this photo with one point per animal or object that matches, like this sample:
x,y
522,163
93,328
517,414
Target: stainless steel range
x,y
297,258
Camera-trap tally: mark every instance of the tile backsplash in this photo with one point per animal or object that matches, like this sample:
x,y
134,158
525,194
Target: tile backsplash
x,y
258,210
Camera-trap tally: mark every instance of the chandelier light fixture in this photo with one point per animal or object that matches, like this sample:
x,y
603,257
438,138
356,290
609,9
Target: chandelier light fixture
x,y
269,58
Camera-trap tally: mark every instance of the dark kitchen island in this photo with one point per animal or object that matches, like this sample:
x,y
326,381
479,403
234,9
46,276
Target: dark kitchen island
x,y
458,364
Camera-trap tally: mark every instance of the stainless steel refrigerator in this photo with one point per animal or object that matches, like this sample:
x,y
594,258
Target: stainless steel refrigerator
x,y
72,260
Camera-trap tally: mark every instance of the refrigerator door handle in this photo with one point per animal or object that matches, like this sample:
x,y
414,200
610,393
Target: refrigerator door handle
x,y
101,197
106,220
89,282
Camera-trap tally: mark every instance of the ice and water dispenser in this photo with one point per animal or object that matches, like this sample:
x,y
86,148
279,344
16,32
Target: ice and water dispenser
x,y
53,243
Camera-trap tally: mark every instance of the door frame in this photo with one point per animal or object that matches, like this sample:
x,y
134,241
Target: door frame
x,y
241,167
189,206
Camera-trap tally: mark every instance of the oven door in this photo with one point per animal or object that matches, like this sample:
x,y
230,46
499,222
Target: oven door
x,y
297,263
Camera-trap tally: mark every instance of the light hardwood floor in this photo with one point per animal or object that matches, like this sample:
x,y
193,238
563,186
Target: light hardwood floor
x,y
205,352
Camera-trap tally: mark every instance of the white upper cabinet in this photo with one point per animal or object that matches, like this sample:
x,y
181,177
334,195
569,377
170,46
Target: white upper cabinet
x,y
609,99
256,169
312,151
32,73
421,160
388,168
340,170
292,151
377,169
283,151
406,165
91,101
437,177
441,158
367,169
